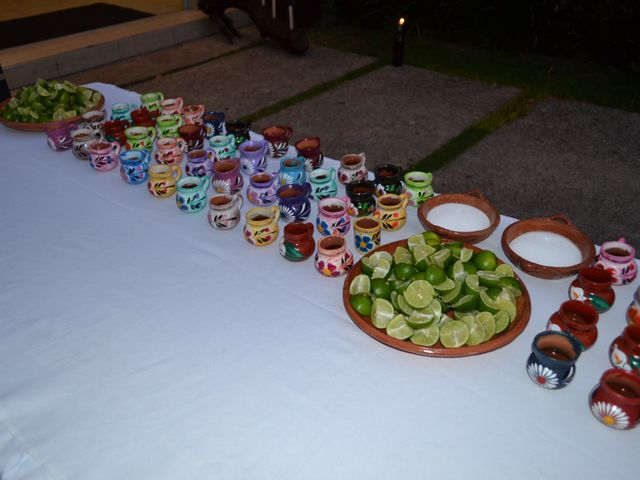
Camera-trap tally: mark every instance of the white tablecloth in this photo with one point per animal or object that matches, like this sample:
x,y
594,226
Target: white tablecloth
x,y
138,342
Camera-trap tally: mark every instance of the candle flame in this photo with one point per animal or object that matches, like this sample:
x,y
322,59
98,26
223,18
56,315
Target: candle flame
x,y
401,21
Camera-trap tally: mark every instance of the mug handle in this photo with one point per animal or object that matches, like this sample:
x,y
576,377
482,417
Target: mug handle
x,y
333,173
276,212
181,143
115,148
572,372
211,155
180,121
176,171
231,137
206,183
152,133
180,102
560,218
238,201
161,95
307,188
288,131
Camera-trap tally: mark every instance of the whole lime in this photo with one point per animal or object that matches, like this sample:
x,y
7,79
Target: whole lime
x,y
486,260
432,238
381,289
361,303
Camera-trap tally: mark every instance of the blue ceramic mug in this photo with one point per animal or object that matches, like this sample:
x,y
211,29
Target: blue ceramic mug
x,y
552,361
213,124
134,165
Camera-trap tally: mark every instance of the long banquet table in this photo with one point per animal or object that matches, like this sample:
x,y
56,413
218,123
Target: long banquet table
x,y
138,342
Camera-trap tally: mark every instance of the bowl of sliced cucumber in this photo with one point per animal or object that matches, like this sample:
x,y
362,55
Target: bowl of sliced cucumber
x,y
434,297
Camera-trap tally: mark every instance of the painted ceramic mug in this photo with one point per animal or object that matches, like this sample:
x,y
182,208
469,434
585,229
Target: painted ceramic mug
x,y
352,168
162,180
172,106
193,136
333,216
624,351
333,259
59,135
104,155
362,194
323,183
261,228
193,114
152,100
141,117
392,210
619,259
577,319
552,363
253,156
94,119
615,401
262,189
224,146
140,138
81,139
199,163
278,138
224,211
593,286
240,130
213,124
309,149
294,202
366,234
388,179
292,171
134,165
122,111
114,131
191,196
297,243
227,177
168,125
169,150
418,186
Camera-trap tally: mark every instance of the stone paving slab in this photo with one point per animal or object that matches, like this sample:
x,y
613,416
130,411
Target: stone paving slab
x,y
250,80
143,67
395,115
564,157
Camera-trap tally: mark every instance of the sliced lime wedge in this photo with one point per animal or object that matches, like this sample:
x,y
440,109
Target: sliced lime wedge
x,y
426,336
381,313
502,321
454,334
360,284
488,322
398,328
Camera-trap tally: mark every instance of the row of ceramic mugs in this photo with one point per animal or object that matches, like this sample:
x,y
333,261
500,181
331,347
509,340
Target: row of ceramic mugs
x,y
615,401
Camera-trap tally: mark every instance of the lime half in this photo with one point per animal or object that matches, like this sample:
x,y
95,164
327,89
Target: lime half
x,y
454,334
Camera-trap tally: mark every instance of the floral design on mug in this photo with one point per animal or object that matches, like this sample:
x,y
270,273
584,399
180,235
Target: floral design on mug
x,y
341,227
600,304
611,415
391,221
543,376
263,236
222,186
365,243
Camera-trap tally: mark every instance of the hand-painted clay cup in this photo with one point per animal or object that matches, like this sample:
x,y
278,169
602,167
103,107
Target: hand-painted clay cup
x,y
552,361
134,165
253,156
122,111
193,135
333,216
323,183
224,211
294,202
169,150
624,351
309,149
193,114
262,189
162,180
199,163
224,146
615,401
104,155
418,186
151,101
278,138
578,319
388,179
213,124
633,310
240,130
392,210
619,259
191,196
366,234
59,136
352,168
141,117
333,259
95,119
227,177
593,286
297,243
168,125
114,131
292,171
81,139
362,194
172,106
140,138
262,228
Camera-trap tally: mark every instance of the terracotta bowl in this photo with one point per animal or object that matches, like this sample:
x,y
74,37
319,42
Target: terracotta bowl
x,y
41,127
559,224
474,198
515,328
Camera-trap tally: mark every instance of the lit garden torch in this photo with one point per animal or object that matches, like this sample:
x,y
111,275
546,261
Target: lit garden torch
x,y
398,44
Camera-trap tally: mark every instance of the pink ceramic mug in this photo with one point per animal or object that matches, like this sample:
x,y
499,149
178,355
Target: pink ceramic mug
x,y
169,150
172,106
193,114
227,177
59,135
104,155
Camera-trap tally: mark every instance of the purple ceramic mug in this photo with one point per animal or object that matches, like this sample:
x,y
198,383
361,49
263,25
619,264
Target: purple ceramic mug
x,y
227,177
59,135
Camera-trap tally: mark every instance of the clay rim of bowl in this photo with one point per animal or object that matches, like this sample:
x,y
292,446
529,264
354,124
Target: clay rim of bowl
x,y
473,198
559,224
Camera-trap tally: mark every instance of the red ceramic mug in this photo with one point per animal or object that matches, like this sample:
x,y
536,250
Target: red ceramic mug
x,y
309,148
578,319
193,136
615,401
278,137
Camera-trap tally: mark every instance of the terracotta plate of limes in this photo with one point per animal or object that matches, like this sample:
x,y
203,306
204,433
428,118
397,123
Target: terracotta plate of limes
x,y
401,336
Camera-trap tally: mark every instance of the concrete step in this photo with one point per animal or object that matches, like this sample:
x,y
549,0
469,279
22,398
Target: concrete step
x,y
62,56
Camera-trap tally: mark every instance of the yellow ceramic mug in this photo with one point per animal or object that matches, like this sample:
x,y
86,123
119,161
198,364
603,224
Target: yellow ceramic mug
x,y
366,233
162,180
262,225
392,211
